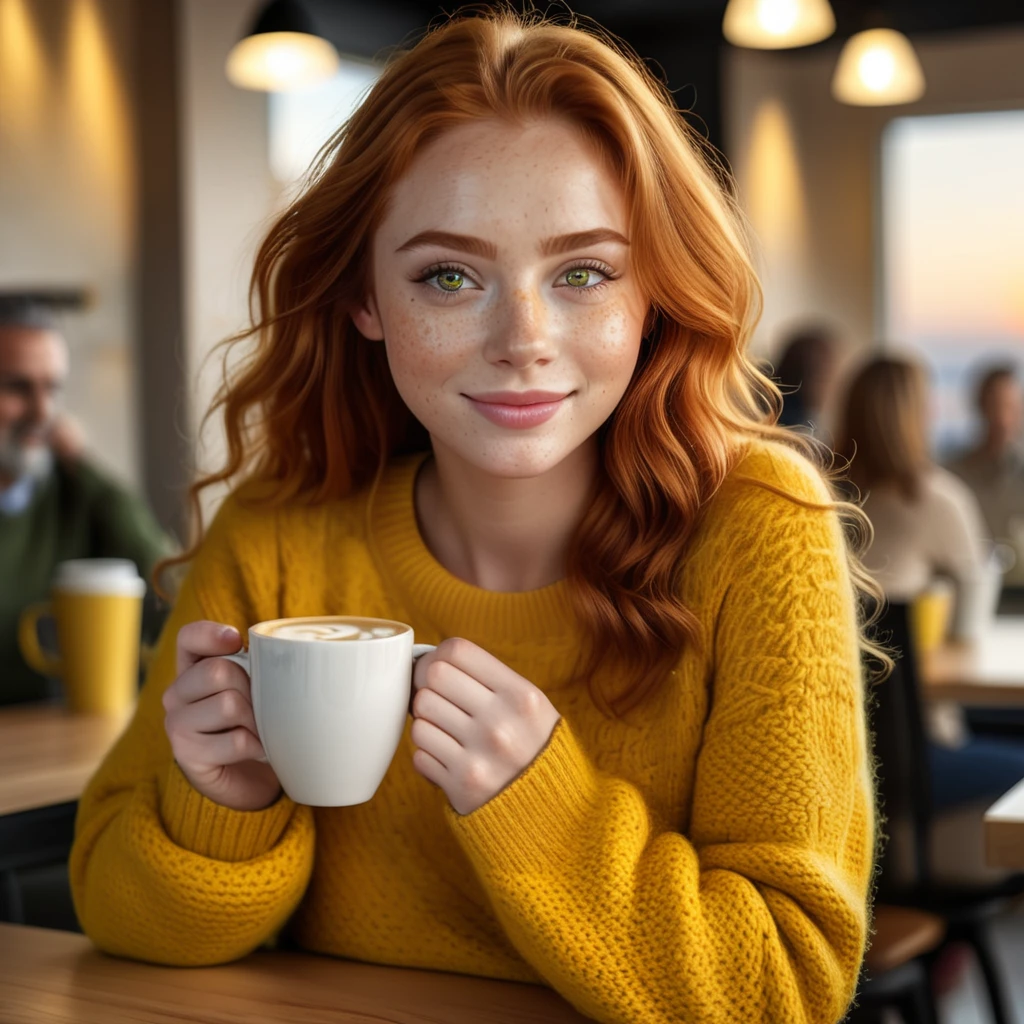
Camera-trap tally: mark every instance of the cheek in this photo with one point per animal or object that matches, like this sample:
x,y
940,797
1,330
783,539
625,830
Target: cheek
x,y
608,340
423,347
11,409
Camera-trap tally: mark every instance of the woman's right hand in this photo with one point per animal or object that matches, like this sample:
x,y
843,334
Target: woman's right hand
x,y
210,721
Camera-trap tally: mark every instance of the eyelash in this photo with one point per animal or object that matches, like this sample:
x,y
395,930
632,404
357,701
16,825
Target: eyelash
x,y
440,268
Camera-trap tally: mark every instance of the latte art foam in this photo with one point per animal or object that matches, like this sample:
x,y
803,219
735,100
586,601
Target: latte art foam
x,y
330,630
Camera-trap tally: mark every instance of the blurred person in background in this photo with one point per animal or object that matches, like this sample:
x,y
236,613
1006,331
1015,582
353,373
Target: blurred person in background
x,y
927,524
55,504
994,471
807,374
994,468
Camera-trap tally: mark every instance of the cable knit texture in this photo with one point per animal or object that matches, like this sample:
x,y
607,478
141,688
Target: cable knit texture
x,y
707,859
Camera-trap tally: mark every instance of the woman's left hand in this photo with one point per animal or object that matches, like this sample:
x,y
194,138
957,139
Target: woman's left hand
x,y
476,723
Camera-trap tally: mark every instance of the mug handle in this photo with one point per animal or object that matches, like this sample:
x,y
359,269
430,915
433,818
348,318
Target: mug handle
x,y
242,660
28,640
418,650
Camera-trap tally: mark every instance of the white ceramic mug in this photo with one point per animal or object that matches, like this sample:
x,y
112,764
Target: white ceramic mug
x,y
330,713
979,599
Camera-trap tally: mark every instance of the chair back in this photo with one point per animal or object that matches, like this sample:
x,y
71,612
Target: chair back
x,y
901,750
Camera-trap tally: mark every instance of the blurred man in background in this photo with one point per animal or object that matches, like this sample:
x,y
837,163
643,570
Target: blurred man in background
x,y
994,468
54,503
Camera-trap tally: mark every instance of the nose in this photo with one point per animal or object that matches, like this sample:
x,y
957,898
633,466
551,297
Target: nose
x,y
522,332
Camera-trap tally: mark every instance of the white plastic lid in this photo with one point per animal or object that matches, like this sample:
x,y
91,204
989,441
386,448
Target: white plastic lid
x,y
99,576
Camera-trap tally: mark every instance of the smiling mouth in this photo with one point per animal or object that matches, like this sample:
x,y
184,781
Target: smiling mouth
x,y
518,417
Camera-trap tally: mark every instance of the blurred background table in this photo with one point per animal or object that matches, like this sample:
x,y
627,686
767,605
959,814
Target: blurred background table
x,y
1004,830
987,673
50,975
47,755
46,758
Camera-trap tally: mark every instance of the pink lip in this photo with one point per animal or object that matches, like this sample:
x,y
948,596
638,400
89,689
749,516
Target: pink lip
x,y
518,397
517,416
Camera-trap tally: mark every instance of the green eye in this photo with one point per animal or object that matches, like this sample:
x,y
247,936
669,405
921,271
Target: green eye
x,y
578,278
450,280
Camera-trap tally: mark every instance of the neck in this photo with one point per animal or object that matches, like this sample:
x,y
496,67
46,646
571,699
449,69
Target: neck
x,y
502,533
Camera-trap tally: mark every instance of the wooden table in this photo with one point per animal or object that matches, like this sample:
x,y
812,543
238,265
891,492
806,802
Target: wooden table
x,y
988,673
50,976
1004,830
46,757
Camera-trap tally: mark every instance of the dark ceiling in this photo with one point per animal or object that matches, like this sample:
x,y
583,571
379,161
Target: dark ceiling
x,y
851,15
680,39
911,16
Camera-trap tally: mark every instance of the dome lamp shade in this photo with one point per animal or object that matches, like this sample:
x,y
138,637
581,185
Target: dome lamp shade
x,y
282,52
777,24
877,68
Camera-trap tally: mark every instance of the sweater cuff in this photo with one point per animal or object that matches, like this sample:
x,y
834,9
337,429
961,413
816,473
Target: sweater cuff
x,y
537,818
196,823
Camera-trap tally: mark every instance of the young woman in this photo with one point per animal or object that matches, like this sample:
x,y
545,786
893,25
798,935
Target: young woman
x,y
636,765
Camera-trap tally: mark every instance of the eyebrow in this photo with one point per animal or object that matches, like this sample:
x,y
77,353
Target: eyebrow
x,y
488,250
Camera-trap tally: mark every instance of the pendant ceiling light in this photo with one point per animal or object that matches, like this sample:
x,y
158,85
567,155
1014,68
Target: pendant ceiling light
x,y
282,51
777,24
876,68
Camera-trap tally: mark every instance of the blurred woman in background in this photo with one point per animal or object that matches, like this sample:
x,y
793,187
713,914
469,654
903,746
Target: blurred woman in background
x,y
926,520
927,525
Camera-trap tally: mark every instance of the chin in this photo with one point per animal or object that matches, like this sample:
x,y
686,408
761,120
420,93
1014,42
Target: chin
x,y
516,461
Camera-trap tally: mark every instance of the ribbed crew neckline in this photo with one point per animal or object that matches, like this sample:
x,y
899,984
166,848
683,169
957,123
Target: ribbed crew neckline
x,y
425,585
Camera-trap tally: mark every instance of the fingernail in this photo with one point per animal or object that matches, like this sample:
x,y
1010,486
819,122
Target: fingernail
x,y
230,633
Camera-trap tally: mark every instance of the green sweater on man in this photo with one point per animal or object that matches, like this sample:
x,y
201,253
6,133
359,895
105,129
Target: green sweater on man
x,y
76,512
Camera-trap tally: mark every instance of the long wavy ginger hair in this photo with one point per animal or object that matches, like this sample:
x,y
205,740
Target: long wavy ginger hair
x,y
314,409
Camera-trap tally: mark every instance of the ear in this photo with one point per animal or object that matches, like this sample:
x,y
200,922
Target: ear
x,y
367,319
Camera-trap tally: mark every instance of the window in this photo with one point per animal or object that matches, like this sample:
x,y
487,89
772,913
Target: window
x,y
953,252
301,122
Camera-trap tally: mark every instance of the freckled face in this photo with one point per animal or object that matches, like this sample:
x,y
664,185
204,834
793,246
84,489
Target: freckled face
x,y
537,293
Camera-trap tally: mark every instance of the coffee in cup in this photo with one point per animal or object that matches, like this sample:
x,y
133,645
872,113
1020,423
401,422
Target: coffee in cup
x,y
97,605
332,629
330,695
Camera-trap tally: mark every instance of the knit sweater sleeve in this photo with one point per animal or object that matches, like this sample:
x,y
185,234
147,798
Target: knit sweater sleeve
x,y
756,909
158,871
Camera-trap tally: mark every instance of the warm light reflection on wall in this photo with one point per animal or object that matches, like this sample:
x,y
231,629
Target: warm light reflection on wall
x,y
775,191
96,103
23,75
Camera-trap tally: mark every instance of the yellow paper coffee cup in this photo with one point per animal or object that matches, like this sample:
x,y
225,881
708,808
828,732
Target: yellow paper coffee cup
x,y
930,616
97,605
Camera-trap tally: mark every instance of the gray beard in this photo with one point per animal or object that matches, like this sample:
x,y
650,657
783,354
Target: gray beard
x,y
18,461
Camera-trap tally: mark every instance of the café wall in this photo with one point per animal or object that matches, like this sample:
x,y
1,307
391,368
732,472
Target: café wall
x,y
229,198
67,196
807,170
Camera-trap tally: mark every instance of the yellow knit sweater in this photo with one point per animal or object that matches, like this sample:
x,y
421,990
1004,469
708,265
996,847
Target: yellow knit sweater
x,y
707,860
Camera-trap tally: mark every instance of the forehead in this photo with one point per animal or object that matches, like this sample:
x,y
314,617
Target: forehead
x,y
32,351
493,178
